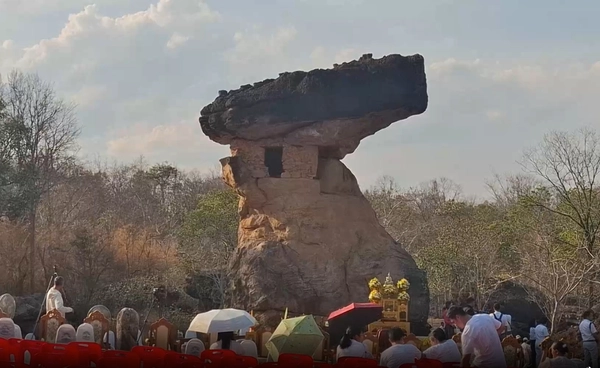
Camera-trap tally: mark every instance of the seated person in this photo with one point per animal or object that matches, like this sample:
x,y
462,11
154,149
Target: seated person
x,y
351,344
399,353
443,349
225,341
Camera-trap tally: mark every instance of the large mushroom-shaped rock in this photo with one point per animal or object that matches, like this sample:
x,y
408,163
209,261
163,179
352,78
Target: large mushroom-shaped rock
x,y
308,239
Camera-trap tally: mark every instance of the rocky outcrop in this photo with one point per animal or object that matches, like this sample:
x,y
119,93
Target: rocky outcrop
x,y
515,300
332,108
308,239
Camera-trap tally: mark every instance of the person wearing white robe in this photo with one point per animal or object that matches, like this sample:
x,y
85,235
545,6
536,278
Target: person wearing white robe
x,y
54,299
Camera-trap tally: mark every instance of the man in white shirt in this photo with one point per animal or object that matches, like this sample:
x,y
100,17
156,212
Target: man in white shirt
x,y
479,338
54,299
589,338
504,320
399,353
541,332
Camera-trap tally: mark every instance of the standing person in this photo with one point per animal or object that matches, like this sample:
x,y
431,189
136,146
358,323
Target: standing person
x,y
448,328
541,332
504,320
54,298
351,344
526,352
442,348
589,338
399,353
479,339
532,338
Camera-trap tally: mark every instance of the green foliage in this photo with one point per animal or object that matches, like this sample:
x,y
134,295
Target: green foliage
x,y
215,218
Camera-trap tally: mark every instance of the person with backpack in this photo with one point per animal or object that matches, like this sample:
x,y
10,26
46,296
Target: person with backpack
x,y
504,320
589,339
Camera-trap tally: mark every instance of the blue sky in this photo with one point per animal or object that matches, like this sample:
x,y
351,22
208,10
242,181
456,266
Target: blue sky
x,y
501,74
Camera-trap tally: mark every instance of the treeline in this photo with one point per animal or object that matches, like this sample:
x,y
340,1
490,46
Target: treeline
x,y
538,230
116,231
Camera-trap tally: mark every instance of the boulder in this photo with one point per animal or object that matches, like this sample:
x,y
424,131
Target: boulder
x,y
515,300
308,238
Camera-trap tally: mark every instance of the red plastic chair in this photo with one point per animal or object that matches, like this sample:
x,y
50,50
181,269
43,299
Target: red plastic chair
x,y
6,353
268,365
117,358
151,357
240,361
451,365
429,363
24,348
356,362
322,365
55,356
191,365
87,352
295,360
215,358
173,359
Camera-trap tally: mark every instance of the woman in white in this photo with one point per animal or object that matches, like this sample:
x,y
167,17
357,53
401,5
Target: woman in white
x,y
442,348
351,344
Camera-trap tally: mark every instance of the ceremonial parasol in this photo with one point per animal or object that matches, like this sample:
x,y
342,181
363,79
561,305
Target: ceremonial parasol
x,y
355,314
300,335
222,320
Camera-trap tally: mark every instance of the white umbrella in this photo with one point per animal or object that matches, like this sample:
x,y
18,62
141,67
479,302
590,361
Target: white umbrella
x,y
222,320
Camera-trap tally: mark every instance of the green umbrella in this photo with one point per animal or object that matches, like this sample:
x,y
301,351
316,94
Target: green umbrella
x,y
299,335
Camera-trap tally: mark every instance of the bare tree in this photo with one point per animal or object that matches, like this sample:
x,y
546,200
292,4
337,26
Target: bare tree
x,y
555,268
42,134
569,164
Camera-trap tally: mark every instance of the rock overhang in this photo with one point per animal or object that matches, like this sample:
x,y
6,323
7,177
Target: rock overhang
x,y
333,108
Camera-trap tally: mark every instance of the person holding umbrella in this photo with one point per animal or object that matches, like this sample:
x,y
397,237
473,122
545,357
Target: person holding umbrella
x,y
225,341
351,344
223,322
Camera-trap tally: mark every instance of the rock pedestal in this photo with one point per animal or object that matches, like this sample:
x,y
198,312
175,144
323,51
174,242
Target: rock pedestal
x,y
308,239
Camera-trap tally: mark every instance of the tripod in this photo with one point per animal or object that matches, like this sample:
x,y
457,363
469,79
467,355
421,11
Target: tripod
x,y
154,299
54,275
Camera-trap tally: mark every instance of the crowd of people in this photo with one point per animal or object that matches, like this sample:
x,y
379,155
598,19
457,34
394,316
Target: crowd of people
x,y
481,342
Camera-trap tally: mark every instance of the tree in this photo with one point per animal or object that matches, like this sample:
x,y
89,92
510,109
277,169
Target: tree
x,y
39,136
550,253
209,236
569,164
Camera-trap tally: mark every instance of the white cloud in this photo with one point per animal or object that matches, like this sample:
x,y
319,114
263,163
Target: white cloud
x,y
176,40
141,72
179,142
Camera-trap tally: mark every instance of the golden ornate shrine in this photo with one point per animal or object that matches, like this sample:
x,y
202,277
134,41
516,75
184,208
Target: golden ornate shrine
x,y
394,298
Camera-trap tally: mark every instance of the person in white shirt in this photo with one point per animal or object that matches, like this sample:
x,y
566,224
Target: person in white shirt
x,y
351,344
442,348
532,325
589,339
54,299
479,338
399,353
504,320
541,332
226,341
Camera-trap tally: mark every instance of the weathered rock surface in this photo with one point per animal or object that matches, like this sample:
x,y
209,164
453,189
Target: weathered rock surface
x,y
328,108
308,239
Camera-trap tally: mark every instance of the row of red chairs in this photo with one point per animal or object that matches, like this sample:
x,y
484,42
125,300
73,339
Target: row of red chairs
x,y
18,353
